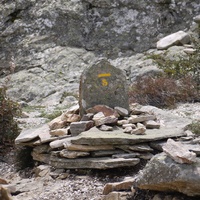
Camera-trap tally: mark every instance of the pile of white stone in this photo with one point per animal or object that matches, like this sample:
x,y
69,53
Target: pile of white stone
x,y
105,119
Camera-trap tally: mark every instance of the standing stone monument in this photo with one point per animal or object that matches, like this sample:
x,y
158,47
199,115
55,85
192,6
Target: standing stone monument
x,y
103,84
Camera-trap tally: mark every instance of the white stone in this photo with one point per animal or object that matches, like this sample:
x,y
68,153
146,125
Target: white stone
x,y
128,129
152,124
197,19
177,38
128,125
140,118
59,132
106,128
189,50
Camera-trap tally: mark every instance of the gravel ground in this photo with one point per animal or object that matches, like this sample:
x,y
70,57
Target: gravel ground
x,y
74,187
188,110
78,185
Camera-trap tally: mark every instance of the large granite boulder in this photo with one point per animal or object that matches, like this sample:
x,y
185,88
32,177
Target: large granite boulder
x,y
164,174
100,26
52,42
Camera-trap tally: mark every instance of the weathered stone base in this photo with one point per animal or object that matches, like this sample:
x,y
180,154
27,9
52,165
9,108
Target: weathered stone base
x,y
92,163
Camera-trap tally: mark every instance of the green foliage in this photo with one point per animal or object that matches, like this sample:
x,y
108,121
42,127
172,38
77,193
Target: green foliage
x,y
8,110
51,116
66,94
195,127
24,158
181,66
180,81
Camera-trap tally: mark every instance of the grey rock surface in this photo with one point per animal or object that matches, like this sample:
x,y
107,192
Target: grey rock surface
x,y
50,43
107,26
103,84
92,163
96,137
164,174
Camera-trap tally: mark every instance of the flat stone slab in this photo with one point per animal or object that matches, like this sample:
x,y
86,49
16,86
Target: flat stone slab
x,y
60,143
92,163
96,137
28,135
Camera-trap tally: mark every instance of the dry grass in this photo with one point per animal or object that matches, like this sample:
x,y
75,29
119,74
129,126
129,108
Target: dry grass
x,y
163,91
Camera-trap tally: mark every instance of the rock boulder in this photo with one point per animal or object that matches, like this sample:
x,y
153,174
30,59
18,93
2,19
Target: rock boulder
x,y
164,174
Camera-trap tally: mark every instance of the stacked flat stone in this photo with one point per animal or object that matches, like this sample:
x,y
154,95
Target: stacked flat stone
x,y
98,139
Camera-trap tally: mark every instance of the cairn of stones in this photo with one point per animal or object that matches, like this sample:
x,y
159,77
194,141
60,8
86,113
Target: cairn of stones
x,y
103,131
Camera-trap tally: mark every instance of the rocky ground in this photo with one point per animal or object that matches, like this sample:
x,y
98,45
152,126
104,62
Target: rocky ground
x,y
70,185
77,184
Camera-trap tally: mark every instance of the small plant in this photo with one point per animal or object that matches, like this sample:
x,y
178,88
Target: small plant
x,y
180,81
182,66
194,127
51,116
163,91
8,110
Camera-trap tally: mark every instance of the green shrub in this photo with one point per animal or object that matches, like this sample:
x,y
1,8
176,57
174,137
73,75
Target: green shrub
x,y
8,110
180,81
180,66
195,127
51,116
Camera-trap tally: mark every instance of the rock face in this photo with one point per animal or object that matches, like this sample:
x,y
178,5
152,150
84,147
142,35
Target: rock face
x,y
103,84
50,43
107,26
164,174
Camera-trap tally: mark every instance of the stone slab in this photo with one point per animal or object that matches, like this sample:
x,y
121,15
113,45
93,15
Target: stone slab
x,y
118,186
106,153
77,127
73,154
31,134
92,163
96,137
72,147
179,152
41,157
103,84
